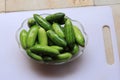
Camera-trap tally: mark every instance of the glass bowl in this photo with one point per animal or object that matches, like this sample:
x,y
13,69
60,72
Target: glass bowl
x,y
24,25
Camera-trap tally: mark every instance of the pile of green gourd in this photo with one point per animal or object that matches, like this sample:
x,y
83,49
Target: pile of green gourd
x,y
51,39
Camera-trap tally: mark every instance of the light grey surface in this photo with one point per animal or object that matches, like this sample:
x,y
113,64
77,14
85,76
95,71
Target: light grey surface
x,y
90,66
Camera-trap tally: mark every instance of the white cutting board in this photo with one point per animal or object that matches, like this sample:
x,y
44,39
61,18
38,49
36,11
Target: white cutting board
x,y
91,65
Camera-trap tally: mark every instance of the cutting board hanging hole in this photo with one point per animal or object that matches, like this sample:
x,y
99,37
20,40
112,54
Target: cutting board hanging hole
x,y
108,45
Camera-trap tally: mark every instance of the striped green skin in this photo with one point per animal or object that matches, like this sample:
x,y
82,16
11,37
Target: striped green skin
x,y
79,36
32,35
57,17
23,38
34,56
69,33
57,29
56,39
47,50
75,49
42,22
42,37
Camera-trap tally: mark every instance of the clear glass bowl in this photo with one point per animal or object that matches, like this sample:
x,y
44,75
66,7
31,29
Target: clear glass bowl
x,y
24,25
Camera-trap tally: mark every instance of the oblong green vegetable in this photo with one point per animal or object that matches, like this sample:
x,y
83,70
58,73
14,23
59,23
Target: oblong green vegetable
x,y
56,17
32,35
42,22
45,50
57,47
34,56
75,49
57,29
79,36
64,56
69,33
42,37
56,39
23,38
31,22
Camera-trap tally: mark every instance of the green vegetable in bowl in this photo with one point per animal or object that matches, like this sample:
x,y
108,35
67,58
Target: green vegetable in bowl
x,y
79,36
56,39
57,18
64,57
23,38
32,35
69,33
34,56
40,49
57,29
42,22
42,37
